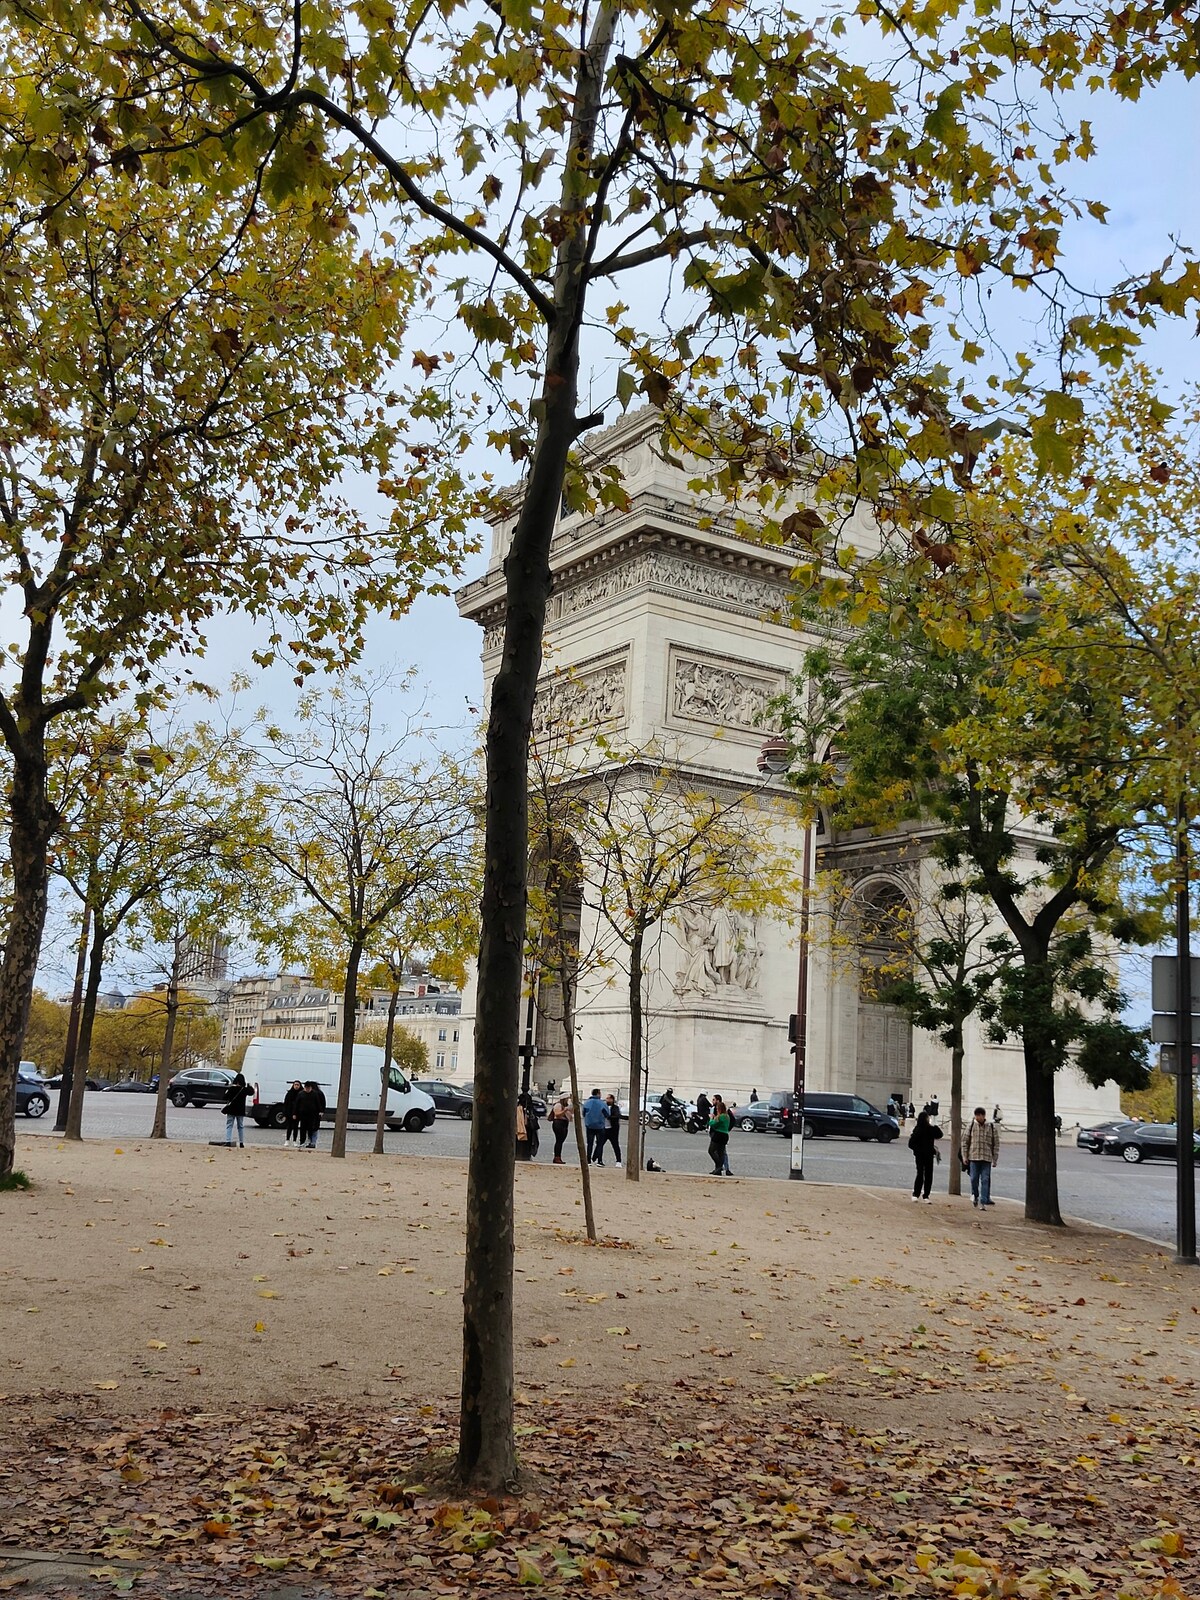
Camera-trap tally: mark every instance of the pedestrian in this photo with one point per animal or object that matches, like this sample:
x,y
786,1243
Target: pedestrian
x,y
754,1097
560,1126
912,1110
980,1153
922,1141
613,1132
595,1121
997,1117
703,1105
310,1107
532,1123
719,1124
291,1115
235,1110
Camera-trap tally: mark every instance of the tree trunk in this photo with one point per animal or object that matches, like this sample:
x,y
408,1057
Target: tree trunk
x,y
72,1039
585,1171
1041,1153
388,1042
956,1114
633,1141
33,821
87,1018
159,1130
341,1116
486,1450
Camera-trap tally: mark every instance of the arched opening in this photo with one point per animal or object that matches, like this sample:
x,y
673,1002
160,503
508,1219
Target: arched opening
x,y
883,1065
556,894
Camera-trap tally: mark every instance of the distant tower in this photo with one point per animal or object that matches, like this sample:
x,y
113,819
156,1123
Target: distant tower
x,y
204,961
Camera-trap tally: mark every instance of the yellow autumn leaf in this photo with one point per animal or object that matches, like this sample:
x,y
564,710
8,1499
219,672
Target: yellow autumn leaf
x,y
106,1383
260,1327
155,1344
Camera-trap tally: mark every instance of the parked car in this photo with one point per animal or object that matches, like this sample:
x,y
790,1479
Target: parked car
x,y
33,1092
848,1116
1146,1141
756,1117
89,1083
199,1086
1093,1138
131,1086
455,1099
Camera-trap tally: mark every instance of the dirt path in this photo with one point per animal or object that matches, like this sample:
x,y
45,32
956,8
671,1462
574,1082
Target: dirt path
x,y
144,1284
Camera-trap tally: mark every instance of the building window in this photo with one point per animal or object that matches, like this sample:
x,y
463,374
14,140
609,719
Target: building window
x,y
456,1035
441,1035
441,1060
454,1062
333,1019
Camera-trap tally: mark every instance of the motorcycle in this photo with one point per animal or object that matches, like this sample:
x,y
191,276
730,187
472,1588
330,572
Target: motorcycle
x,y
674,1118
696,1123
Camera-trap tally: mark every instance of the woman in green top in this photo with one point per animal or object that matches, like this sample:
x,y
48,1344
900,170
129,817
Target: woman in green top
x,y
719,1125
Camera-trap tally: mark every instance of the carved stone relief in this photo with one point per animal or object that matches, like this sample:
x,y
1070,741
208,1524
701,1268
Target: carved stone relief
x,y
589,699
721,950
720,693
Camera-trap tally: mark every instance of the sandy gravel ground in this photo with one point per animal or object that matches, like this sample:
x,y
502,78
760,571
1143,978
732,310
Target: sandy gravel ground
x,y
147,1275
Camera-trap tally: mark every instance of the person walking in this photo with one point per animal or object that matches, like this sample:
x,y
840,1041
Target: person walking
x,y
613,1131
595,1121
719,1125
560,1126
754,1097
980,1153
309,1108
291,1115
235,1110
922,1141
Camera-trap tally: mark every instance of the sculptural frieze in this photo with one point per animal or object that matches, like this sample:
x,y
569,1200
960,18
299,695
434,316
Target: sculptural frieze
x,y
721,950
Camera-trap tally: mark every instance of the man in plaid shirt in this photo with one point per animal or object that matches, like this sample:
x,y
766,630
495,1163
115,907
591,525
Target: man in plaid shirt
x,y
980,1153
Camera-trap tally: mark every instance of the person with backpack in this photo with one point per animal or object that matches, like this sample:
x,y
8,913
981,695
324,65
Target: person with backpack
x,y
235,1110
922,1141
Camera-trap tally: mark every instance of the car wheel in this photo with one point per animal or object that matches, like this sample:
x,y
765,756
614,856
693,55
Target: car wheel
x,y
276,1118
414,1121
464,1113
178,1100
1131,1153
748,1124
809,1131
886,1136
37,1105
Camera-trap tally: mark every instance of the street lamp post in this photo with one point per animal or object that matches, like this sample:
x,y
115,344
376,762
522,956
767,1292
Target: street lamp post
x,y
774,759
1185,1189
527,1051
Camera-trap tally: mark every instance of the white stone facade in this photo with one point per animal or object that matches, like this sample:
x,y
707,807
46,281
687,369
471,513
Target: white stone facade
x,y
676,634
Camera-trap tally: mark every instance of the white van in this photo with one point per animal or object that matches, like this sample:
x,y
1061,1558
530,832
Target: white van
x,y
271,1066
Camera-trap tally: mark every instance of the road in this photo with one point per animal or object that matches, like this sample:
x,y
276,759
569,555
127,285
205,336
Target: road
x,y
1097,1189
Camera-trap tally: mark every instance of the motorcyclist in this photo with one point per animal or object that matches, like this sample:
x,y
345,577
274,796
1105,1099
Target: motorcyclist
x,y
703,1106
667,1104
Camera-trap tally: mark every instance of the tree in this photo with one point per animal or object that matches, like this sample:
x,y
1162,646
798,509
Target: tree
x,y
802,206
658,842
360,828
911,726
187,373
148,822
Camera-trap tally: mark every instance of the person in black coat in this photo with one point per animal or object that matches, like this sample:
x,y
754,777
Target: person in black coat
x,y
613,1132
291,1114
235,1110
309,1107
922,1141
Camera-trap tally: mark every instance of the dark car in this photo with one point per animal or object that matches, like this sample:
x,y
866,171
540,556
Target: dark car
x,y
848,1116
131,1086
754,1117
1146,1141
33,1092
199,1086
455,1099
1093,1138
56,1082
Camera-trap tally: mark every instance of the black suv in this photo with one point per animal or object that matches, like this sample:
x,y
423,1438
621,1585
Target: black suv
x,y
456,1099
33,1093
848,1115
199,1086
